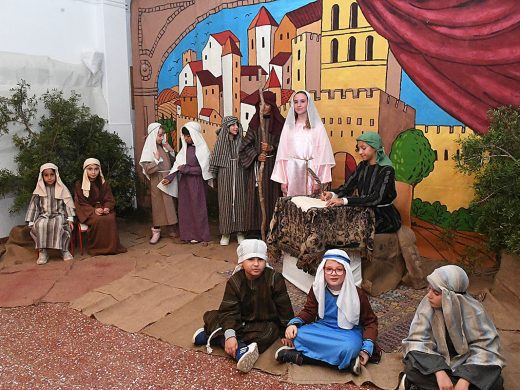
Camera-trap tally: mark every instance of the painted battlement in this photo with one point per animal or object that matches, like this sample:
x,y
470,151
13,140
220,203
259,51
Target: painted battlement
x,y
357,93
454,130
310,35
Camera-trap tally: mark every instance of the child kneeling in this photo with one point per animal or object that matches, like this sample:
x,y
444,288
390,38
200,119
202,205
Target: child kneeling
x,y
254,311
452,343
337,326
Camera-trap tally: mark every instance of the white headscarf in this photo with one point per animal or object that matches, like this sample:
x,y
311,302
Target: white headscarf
x,y
60,190
348,298
150,146
248,249
201,151
85,184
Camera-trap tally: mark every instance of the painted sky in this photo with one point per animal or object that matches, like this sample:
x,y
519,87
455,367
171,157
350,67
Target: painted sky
x,y
238,20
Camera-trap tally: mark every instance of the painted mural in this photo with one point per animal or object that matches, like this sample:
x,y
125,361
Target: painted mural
x,y
199,61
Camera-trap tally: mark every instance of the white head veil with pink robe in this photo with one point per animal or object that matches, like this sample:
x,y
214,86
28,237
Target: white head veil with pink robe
x,y
301,147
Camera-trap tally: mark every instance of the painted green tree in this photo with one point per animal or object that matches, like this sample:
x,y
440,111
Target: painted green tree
x,y
412,156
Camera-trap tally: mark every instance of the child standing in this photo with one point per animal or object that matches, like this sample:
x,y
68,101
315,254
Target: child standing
x,y
452,343
155,161
51,214
230,178
95,206
337,326
191,187
254,310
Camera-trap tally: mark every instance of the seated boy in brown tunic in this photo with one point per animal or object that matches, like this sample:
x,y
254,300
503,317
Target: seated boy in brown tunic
x,y
254,311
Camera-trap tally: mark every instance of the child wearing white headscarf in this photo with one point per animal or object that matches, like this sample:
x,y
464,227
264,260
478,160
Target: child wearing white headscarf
x,y
452,341
156,164
254,310
50,214
303,144
337,326
95,207
188,181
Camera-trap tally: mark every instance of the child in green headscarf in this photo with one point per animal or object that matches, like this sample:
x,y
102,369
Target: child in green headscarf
x,y
374,180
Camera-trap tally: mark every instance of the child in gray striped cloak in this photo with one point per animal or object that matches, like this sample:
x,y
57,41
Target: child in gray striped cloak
x,y
452,343
50,214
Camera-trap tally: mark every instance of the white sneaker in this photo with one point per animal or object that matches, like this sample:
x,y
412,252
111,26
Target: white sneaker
x,y
356,368
240,237
225,239
42,257
156,236
67,255
247,357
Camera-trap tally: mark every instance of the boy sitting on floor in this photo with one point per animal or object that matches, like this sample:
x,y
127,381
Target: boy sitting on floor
x,y
254,311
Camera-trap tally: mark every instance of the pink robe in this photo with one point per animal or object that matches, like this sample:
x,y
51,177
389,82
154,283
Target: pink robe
x,y
300,148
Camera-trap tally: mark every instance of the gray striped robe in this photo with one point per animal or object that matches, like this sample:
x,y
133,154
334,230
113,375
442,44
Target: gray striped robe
x,y
48,217
230,176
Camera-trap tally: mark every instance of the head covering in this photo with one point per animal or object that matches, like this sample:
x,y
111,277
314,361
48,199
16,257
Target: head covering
x,y
471,331
85,184
201,151
277,120
225,147
248,249
374,140
150,146
308,146
60,190
348,298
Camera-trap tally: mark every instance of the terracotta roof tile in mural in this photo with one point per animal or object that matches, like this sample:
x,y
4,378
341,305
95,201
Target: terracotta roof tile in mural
x,y
243,95
263,18
251,70
195,66
281,58
189,92
223,36
251,99
205,111
306,15
206,78
167,95
230,47
273,81
286,95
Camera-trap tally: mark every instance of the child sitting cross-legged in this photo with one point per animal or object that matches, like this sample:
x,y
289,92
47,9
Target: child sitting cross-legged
x,y
337,326
254,311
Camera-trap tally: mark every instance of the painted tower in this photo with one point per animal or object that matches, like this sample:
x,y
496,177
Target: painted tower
x,y
231,78
306,49
352,52
212,52
260,38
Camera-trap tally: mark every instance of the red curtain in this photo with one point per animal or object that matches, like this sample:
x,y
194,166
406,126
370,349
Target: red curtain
x,y
463,54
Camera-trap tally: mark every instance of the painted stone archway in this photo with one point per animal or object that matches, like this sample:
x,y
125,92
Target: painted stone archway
x,y
156,30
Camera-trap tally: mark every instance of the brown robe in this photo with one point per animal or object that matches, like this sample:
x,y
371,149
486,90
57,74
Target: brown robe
x,y
103,237
163,207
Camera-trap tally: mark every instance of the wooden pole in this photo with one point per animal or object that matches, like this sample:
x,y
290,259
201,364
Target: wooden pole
x,y
263,139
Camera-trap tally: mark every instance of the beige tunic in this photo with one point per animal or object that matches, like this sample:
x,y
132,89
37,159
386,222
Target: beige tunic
x,y
163,207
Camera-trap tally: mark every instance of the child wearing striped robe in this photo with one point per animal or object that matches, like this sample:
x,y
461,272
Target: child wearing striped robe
x,y
50,214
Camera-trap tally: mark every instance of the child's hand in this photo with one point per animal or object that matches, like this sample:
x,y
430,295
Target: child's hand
x,y
291,331
168,147
363,358
287,342
462,384
99,211
71,225
261,157
264,147
106,210
326,195
285,187
165,181
334,202
443,380
231,346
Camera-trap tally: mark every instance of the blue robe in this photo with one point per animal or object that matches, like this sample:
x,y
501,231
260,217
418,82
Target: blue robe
x,y
324,340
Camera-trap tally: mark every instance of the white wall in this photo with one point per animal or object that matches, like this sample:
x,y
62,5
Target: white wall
x,y
50,38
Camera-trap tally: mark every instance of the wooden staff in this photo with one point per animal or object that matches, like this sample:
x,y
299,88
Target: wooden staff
x,y
263,139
